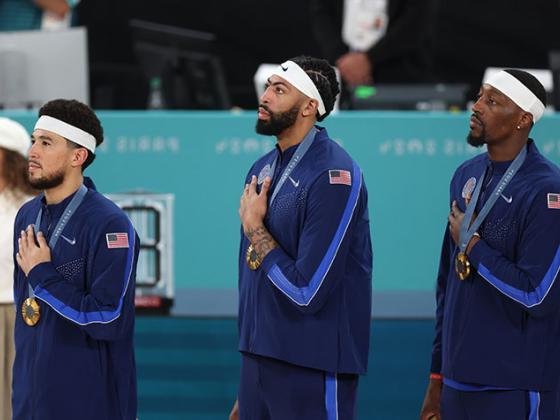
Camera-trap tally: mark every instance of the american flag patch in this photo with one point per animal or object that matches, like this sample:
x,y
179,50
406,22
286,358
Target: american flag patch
x,y
117,240
337,176
553,201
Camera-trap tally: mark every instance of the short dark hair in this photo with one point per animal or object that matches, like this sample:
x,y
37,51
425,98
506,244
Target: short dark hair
x,y
79,115
531,82
324,77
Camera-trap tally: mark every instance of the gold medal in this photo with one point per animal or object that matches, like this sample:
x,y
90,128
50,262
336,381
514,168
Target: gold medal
x,y
30,312
252,258
462,266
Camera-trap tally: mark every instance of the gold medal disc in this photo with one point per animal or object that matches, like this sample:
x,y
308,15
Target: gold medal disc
x,y
252,258
30,312
462,266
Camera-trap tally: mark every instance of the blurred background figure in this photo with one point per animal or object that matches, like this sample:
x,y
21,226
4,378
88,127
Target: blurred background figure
x,y
371,41
14,191
375,41
18,15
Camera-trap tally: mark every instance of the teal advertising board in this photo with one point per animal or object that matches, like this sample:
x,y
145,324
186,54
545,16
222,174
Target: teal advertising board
x,y
202,158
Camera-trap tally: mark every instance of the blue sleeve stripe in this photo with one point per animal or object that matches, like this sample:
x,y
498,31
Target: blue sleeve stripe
x,y
527,299
534,405
331,396
94,317
304,295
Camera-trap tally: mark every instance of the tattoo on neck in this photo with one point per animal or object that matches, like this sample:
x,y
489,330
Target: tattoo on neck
x,y
262,241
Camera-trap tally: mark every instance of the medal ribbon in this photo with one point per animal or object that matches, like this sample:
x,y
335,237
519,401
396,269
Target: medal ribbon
x,y
466,232
296,158
64,219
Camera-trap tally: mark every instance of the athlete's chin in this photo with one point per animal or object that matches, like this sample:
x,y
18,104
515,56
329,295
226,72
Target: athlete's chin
x,y
34,176
475,140
263,128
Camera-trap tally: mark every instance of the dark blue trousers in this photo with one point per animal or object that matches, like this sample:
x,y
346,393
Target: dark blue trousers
x,y
499,405
270,389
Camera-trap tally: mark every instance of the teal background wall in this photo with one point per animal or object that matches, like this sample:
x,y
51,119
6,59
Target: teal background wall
x,y
407,158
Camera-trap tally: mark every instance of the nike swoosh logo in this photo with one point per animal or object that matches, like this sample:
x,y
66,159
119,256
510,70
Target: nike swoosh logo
x,y
508,199
296,184
284,68
71,242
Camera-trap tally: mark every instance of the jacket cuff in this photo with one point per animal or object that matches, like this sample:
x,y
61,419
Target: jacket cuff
x,y
41,272
435,367
273,257
478,251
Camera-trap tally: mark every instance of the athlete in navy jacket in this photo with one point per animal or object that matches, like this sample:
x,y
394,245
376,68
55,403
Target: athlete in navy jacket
x,y
305,259
498,330
74,281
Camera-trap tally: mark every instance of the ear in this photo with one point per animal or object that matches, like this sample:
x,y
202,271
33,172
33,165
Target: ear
x,y
525,121
79,157
310,108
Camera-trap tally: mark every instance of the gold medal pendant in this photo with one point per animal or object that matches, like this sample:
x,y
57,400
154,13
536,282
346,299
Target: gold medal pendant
x,y
252,258
462,266
30,312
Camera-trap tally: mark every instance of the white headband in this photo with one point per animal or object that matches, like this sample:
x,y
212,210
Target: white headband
x,y
298,78
66,130
519,93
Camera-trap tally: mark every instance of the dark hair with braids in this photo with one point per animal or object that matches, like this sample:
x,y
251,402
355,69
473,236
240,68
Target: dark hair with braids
x,y
324,77
79,115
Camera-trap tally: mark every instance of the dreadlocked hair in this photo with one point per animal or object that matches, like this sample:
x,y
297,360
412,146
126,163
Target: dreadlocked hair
x,y
323,76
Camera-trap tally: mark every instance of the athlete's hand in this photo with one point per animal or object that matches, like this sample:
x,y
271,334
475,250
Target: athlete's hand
x,y
431,406
455,219
234,415
253,205
29,254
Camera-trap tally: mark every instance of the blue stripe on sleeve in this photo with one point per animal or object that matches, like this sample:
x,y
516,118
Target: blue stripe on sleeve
x,y
304,295
331,397
94,317
534,405
528,299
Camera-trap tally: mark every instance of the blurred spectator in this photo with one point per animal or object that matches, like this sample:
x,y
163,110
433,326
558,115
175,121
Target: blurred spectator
x,y
375,41
14,191
18,15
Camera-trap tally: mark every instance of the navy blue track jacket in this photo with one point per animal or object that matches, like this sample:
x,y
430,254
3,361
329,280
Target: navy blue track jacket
x,y
501,326
309,303
78,361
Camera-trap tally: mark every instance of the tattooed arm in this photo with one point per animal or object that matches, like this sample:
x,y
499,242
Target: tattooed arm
x,y
252,210
261,239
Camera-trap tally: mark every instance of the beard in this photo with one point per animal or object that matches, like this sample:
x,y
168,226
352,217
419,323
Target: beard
x,y
476,141
47,182
479,140
277,122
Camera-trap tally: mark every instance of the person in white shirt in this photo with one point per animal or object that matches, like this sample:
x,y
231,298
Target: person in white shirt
x,y
376,41
14,191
